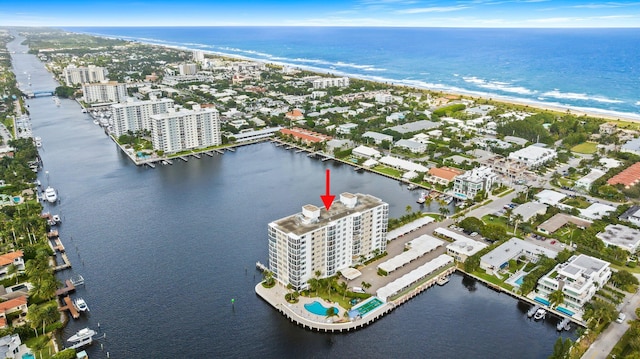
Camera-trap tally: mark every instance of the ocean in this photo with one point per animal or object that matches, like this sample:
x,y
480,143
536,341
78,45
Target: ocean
x,y
593,70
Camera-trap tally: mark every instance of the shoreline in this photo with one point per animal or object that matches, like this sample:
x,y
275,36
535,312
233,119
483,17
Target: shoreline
x,y
395,83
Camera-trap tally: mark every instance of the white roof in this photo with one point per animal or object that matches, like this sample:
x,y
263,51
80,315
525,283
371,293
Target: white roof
x,y
370,162
377,136
350,273
620,236
596,211
409,227
591,176
550,197
406,280
530,209
403,164
418,247
409,144
465,245
366,151
514,248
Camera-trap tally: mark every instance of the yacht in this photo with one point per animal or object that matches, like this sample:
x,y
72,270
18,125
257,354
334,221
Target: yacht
x,y
412,186
81,305
540,314
50,195
82,334
533,311
422,198
563,325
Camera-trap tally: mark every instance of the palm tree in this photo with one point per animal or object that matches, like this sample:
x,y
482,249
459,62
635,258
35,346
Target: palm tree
x,y
343,288
408,209
444,211
556,298
365,285
12,270
313,285
517,219
331,312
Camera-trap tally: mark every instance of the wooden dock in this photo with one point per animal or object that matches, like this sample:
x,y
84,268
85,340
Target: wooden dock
x,y
196,155
184,158
52,234
209,154
230,149
68,288
65,265
218,151
70,307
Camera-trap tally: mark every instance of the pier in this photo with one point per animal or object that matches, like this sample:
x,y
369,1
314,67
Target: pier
x,y
230,149
184,158
196,155
69,287
209,154
150,164
218,151
70,307
261,267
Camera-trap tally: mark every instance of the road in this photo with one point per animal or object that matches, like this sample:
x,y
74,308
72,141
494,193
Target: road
x,y
605,342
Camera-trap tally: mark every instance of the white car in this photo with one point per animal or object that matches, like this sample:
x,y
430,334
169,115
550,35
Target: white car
x,y
621,318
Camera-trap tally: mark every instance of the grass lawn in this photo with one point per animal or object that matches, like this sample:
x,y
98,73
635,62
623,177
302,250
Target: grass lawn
x,y
622,348
491,279
565,182
576,202
502,221
388,171
585,147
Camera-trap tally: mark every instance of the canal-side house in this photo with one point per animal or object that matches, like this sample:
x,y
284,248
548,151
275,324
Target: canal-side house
x,y
579,279
7,259
12,306
514,248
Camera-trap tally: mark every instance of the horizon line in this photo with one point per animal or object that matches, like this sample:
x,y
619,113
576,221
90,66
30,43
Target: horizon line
x,y
331,26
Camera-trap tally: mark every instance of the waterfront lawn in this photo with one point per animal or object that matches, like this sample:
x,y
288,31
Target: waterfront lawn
x,y
388,171
491,279
585,147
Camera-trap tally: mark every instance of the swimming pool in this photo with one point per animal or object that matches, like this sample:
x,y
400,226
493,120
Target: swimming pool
x,y
28,356
318,309
519,281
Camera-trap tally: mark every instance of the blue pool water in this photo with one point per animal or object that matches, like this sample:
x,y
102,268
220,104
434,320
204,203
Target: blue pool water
x,y
318,309
542,300
519,281
28,356
565,311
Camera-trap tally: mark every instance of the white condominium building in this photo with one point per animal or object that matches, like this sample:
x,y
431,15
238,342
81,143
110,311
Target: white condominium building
x,y
188,69
331,82
79,75
135,115
579,279
104,92
467,185
534,155
188,129
317,240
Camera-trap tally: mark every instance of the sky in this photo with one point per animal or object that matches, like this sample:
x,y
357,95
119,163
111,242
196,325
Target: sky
x,y
406,13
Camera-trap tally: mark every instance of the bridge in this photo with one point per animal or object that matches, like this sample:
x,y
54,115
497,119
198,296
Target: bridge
x,y
41,93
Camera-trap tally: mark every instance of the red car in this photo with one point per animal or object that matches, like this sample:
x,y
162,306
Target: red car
x,y
553,242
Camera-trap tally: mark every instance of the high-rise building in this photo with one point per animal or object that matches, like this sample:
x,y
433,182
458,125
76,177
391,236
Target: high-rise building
x,y
111,91
79,75
183,130
198,56
188,69
136,115
317,240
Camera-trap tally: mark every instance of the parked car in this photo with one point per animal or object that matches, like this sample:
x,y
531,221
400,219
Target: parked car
x,y
621,318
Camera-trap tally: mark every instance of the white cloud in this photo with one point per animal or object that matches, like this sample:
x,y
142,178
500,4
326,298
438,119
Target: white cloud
x,y
421,10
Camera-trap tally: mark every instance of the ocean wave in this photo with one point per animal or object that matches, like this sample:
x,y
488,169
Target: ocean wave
x,y
579,96
498,85
637,103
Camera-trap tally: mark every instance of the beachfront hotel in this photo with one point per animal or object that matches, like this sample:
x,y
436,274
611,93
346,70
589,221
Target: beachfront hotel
x,y
355,228
79,75
104,92
177,131
136,115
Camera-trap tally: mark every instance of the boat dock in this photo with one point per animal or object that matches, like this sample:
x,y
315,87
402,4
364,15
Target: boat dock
x,y
209,154
68,288
70,307
65,265
150,164
230,149
220,152
261,267
196,155
184,158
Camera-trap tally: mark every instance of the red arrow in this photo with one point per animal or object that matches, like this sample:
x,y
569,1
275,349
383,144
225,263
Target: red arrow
x,y
327,199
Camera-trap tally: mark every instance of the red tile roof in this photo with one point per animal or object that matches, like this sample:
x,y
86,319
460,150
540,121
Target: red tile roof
x,y
307,136
628,177
12,303
446,173
8,258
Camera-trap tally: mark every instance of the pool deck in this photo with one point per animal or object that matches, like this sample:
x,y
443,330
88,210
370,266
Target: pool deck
x,y
299,315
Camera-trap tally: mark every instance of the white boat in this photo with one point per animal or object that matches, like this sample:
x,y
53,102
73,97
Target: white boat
x,y
412,186
540,314
50,195
81,305
82,334
563,325
96,122
533,311
56,218
443,280
422,197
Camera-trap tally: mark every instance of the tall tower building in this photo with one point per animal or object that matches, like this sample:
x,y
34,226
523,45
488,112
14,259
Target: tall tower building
x,y
315,239
184,130
136,115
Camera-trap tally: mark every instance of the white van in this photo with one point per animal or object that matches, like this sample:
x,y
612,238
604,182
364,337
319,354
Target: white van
x,y
357,290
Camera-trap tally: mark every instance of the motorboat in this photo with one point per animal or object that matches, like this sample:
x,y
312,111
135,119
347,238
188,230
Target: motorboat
x,y
81,305
82,334
533,311
412,186
443,280
540,314
563,325
422,198
50,195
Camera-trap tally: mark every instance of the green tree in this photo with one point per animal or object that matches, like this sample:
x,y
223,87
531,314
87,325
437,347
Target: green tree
x,y
561,349
556,298
331,312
